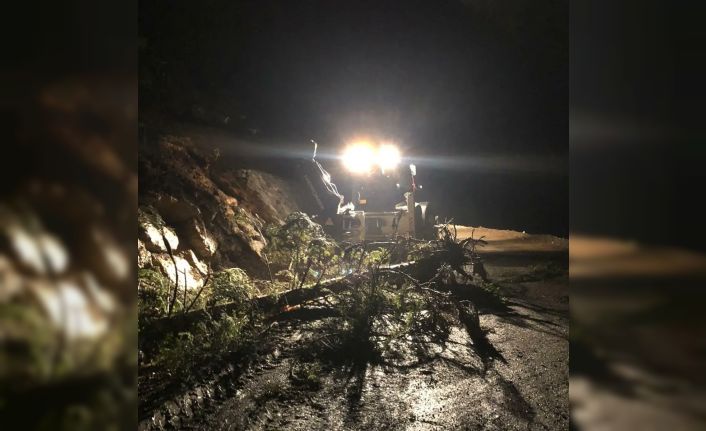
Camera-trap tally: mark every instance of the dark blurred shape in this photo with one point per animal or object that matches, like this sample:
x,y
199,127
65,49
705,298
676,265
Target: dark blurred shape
x,y
637,245
68,202
637,335
637,129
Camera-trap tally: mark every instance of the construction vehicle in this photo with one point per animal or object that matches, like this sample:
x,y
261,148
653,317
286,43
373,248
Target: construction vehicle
x,y
381,205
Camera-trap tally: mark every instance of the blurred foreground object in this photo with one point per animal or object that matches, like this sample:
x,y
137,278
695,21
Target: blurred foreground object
x,y
67,227
638,337
68,203
638,333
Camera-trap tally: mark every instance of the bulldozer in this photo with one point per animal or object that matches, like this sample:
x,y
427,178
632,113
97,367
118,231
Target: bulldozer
x,y
382,201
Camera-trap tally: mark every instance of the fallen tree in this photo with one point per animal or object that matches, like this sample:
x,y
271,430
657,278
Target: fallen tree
x,y
422,272
271,305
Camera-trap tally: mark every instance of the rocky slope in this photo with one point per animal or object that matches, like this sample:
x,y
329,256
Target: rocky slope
x,y
197,216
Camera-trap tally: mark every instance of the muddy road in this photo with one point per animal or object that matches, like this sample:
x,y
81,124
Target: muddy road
x,y
512,374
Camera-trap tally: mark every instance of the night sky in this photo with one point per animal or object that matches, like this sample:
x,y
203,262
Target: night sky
x,y
475,93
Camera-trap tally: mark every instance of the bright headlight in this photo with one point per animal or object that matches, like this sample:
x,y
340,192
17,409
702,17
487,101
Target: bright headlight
x,y
388,157
359,158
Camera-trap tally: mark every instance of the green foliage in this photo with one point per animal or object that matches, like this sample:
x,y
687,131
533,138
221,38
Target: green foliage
x,y
388,307
153,290
418,250
211,339
227,334
359,307
230,285
358,257
302,247
491,287
285,275
379,256
208,339
178,353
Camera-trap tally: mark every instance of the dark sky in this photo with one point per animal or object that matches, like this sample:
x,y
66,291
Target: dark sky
x,y
637,120
475,92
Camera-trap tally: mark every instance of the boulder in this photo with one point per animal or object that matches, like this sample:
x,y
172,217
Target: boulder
x,y
217,213
200,266
197,238
175,210
153,232
143,256
187,272
260,193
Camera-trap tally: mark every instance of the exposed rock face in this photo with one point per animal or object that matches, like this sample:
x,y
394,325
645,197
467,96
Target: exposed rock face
x,y
195,219
262,193
158,239
175,210
198,238
143,256
182,269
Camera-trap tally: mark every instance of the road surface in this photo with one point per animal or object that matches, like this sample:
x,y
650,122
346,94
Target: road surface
x,y
518,381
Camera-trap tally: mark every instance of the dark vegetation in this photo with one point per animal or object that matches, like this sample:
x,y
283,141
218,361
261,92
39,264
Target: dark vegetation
x,y
372,298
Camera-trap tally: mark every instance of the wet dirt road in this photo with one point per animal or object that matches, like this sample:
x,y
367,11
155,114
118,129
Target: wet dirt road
x,y
515,379
510,375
